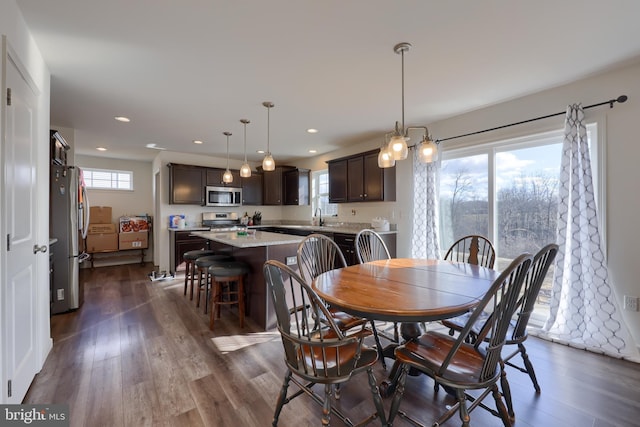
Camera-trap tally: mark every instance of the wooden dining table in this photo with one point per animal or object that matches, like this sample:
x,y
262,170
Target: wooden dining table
x,y
407,291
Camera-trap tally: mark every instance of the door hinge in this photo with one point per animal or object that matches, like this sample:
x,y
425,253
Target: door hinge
x,y
8,242
9,389
8,96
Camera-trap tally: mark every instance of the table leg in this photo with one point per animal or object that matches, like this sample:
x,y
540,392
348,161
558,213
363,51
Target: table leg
x,y
408,331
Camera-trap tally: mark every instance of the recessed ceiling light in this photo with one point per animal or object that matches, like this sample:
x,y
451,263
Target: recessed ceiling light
x,y
311,130
154,146
313,151
197,141
101,149
260,151
122,119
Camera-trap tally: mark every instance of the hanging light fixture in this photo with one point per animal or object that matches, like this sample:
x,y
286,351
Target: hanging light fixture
x,y
427,150
385,158
268,164
398,144
245,170
227,177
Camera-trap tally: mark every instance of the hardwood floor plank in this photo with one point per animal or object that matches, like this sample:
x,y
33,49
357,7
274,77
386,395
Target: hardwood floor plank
x,y
140,353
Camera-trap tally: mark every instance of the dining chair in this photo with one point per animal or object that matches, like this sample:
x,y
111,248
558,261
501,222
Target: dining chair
x,y
318,254
472,249
463,366
517,332
313,355
371,247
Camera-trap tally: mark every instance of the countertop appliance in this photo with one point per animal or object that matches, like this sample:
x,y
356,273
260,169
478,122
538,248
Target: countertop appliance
x,y
68,222
223,196
221,221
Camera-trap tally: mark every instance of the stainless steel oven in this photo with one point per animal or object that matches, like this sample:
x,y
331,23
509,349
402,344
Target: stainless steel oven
x,y
223,196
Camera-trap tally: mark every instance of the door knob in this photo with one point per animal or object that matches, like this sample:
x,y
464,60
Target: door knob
x,y
37,249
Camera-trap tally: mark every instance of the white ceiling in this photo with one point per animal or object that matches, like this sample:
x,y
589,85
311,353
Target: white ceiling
x,y
191,69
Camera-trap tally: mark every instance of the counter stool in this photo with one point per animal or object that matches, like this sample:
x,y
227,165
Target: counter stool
x,y
223,275
201,270
190,258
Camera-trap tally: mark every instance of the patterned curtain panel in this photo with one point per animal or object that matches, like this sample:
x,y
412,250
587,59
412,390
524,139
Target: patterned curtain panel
x,y
583,309
425,242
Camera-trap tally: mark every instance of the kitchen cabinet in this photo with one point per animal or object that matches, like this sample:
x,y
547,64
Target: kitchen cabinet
x,y
252,189
181,242
272,187
346,243
214,178
186,184
296,187
358,178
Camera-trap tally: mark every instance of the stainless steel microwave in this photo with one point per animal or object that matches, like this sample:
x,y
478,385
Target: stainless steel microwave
x,y
223,196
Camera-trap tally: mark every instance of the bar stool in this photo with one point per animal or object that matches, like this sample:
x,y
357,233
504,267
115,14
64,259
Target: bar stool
x,y
190,258
201,267
223,275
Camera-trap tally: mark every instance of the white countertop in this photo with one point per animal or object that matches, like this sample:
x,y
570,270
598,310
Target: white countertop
x,y
259,238
345,228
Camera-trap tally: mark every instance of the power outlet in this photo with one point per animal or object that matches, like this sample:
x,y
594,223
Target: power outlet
x,y
630,303
61,294
291,260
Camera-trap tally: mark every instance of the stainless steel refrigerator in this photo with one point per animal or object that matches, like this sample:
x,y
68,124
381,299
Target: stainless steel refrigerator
x,y
68,210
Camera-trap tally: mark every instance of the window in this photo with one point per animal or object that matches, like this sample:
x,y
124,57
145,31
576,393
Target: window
x,y
508,191
104,179
320,194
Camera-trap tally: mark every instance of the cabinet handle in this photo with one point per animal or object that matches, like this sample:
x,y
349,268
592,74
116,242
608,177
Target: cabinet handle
x,y
365,195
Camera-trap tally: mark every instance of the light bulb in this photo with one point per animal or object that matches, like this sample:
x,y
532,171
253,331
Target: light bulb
x,y
245,170
427,151
385,159
268,164
227,177
398,147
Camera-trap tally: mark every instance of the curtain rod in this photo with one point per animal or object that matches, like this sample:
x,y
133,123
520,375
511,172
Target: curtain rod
x,y
620,99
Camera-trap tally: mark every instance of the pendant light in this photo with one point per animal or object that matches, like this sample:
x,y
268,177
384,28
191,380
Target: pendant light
x,y
385,158
227,177
427,150
268,164
245,170
398,144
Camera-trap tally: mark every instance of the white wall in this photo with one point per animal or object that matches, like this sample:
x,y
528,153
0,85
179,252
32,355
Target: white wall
x,y
19,38
123,203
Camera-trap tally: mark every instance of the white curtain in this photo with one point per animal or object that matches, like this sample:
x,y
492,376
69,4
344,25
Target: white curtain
x,y
583,308
425,242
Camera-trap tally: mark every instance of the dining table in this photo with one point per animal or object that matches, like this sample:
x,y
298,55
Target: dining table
x,y
407,291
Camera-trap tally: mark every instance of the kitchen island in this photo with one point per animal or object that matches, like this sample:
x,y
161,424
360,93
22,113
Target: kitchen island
x,y
255,248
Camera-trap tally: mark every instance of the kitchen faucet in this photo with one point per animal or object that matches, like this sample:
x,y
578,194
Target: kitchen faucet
x,y
320,222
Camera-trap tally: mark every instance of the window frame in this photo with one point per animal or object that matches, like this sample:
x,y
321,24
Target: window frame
x,y
109,171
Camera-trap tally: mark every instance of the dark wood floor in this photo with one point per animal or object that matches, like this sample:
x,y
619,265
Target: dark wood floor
x,y
140,353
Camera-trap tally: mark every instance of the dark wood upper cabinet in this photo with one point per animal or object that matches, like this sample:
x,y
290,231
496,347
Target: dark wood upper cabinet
x,y
252,189
296,187
338,181
272,187
186,184
214,178
358,178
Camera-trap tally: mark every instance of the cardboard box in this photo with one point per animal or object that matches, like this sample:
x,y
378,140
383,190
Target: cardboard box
x,y
133,240
133,224
106,242
100,215
101,229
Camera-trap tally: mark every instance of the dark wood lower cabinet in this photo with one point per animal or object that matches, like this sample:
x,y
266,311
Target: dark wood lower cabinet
x,y
181,242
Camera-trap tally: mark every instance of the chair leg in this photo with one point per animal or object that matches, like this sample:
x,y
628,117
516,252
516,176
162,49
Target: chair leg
x,y
326,407
462,407
240,297
397,395
506,391
378,345
377,399
186,277
529,366
504,416
192,268
282,397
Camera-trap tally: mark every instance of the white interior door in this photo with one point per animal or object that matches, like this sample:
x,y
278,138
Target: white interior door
x,y
19,284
